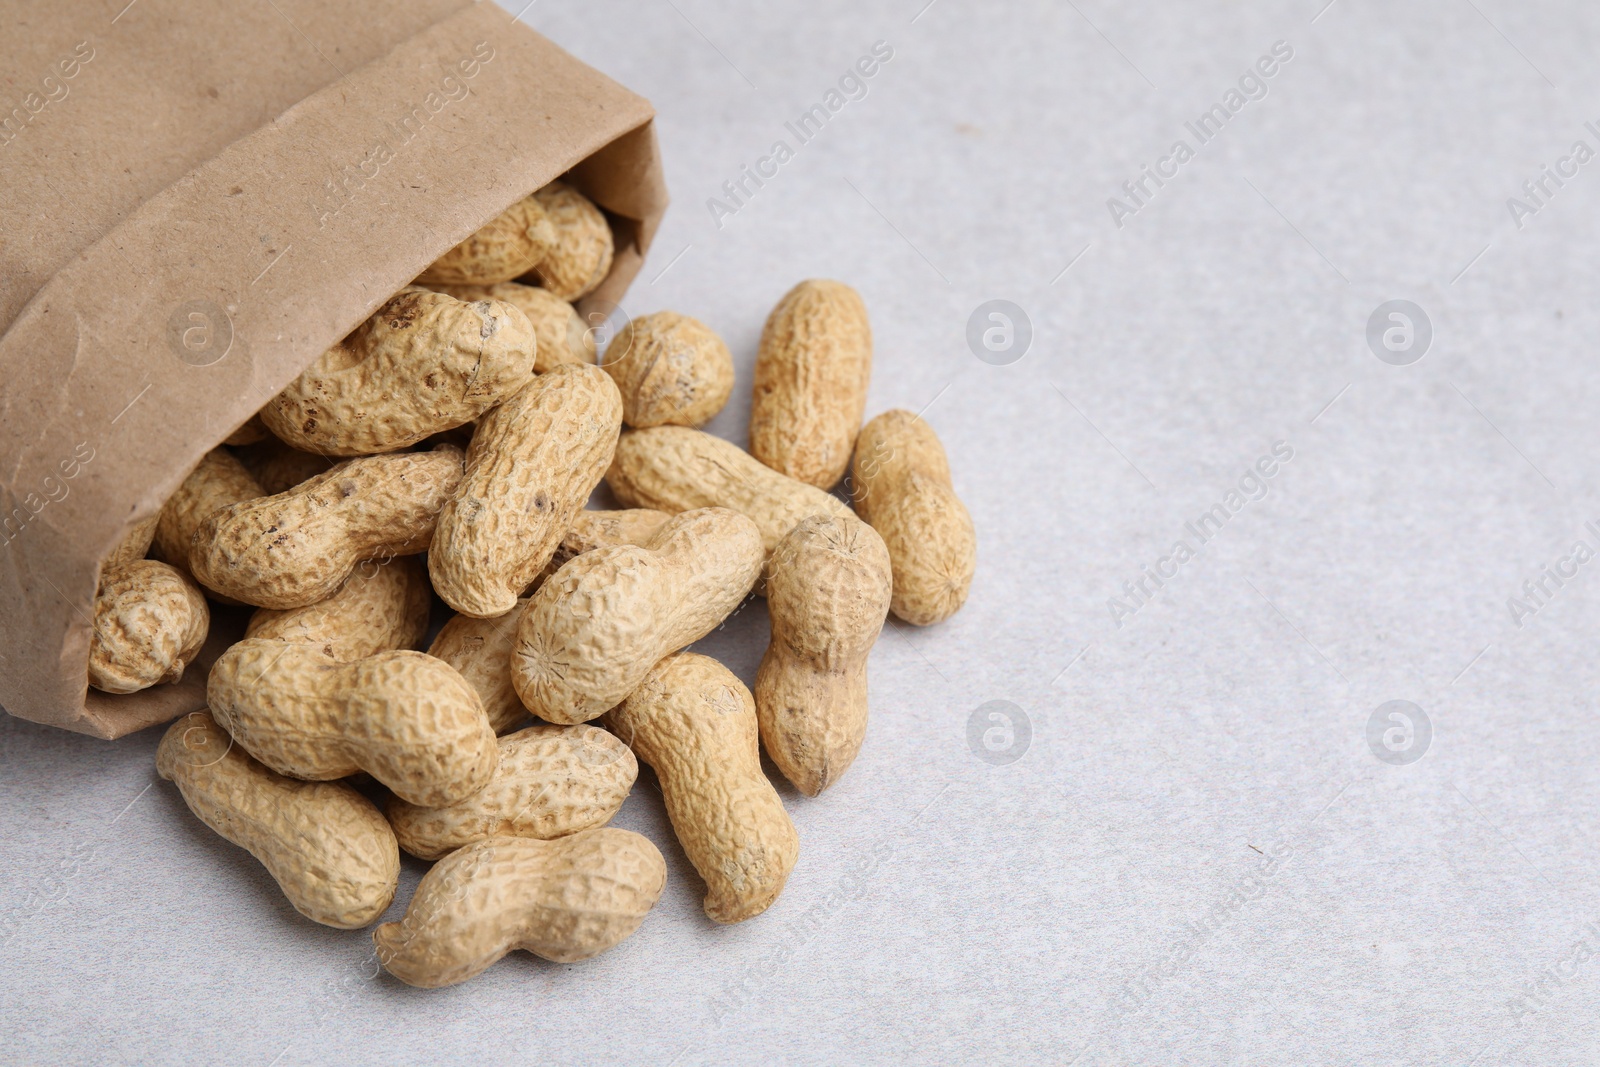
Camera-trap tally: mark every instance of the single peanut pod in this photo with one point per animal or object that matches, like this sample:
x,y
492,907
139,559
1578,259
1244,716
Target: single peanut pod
x,y
407,719
674,468
590,530
563,900
902,488
532,464
581,256
510,244
828,597
424,362
670,369
382,606
562,334
592,632
327,846
551,781
218,481
249,432
277,467
695,723
298,547
135,543
811,377
480,649
149,624
602,529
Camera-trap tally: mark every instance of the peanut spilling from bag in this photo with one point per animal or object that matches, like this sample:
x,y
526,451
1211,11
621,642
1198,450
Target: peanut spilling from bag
x,y
562,335
564,900
298,547
670,369
811,379
580,258
695,723
149,624
505,247
902,487
405,718
532,463
328,847
217,482
551,781
567,613
424,362
595,628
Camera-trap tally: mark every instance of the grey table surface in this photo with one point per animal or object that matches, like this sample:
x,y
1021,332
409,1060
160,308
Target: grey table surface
x,y
1198,835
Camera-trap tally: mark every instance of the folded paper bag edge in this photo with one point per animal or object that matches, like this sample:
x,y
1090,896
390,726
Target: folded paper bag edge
x,y
532,114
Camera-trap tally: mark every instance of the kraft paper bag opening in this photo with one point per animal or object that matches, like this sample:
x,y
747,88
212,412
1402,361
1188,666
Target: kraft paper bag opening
x,y
198,204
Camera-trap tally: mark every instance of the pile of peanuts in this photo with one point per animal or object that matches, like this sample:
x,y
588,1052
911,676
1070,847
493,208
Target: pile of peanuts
x,y
468,419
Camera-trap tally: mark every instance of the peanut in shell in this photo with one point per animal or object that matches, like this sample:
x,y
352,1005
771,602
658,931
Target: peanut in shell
x,y
328,848
510,244
564,900
424,362
531,466
298,547
811,377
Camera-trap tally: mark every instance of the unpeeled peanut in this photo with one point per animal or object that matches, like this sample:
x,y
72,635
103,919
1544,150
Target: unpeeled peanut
x,y
828,596
249,432
135,542
407,719
563,336
381,606
422,363
508,245
533,462
276,466
811,377
326,845
695,723
590,530
149,624
564,900
480,650
595,628
551,781
581,257
902,488
216,482
674,468
670,369
298,547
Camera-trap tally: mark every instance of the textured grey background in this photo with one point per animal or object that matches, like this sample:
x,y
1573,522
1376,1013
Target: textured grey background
x,y
1198,858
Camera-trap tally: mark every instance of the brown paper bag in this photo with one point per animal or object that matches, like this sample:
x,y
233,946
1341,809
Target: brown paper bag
x,y
199,201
